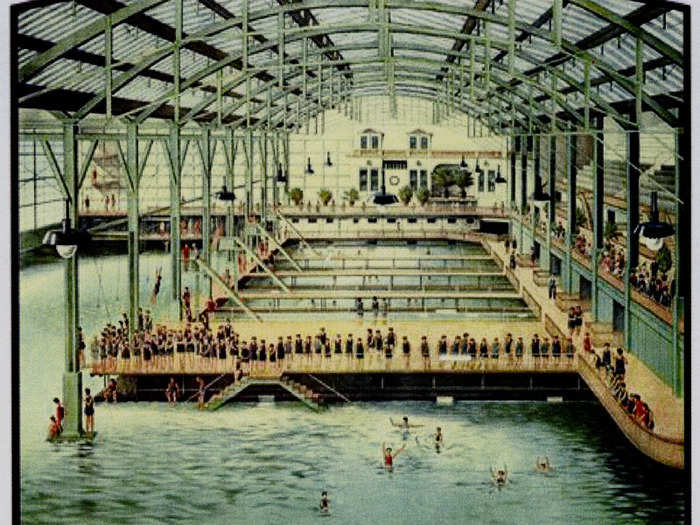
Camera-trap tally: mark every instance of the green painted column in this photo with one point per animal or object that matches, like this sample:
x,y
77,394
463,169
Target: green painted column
x,y
206,154
632,259
249,158
677,301
132,168
264,172
571,208
538,183
551,207
598,203
72,379
523,192
175,209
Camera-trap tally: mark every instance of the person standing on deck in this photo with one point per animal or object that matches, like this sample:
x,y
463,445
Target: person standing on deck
x,y
349,347
186,256
425,352
406,349
535,348
552,287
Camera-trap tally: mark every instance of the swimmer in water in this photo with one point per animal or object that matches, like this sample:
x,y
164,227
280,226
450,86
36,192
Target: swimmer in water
x,y
389,457
404,424
439,438
500,476
542,464
325,505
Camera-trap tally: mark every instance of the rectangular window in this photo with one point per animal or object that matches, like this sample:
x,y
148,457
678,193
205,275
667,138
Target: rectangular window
x,y
451,220
413,142
424,143
363,179
423,178
375,142
412,221
492,181
372,220
481,182
374,180
295,221
363,142
329,220
311,221
431,220
413,179
355,220
391,221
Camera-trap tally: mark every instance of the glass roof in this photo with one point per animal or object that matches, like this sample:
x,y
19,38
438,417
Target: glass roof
x,y
373,46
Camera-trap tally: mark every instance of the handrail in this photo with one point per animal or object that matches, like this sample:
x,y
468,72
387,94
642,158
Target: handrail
x,y
655,435
341,396
206,386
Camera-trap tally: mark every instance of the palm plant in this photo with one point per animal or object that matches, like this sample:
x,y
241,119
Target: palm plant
x,y
423,195
325,196
405,194
297,195
352,196
464,179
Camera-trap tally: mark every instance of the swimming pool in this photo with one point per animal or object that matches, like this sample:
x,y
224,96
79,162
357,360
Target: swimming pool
x,y
265,464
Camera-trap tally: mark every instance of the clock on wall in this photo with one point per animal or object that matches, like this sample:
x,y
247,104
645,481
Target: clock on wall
x,y
393,180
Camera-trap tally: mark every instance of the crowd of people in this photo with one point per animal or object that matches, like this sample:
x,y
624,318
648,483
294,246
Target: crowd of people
x,y
613,368
654,285
196,345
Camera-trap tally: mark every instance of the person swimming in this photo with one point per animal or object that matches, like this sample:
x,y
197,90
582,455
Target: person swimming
x,y
390,456
500,476
325,505
404,424
542,464
439,438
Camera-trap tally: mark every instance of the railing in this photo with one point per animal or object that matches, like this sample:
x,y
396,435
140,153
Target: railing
x,y
373,361
532,303
552,327
664,449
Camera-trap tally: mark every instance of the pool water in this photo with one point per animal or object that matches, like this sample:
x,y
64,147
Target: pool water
x,y
260,464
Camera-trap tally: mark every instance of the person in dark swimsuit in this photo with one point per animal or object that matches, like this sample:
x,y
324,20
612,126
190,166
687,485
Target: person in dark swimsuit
x,y
201,393
156,286
425,351
325,505
171,392
360,350
406,349
89,412
298,345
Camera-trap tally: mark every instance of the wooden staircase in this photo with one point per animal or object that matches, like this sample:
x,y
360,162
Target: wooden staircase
x,y
301,392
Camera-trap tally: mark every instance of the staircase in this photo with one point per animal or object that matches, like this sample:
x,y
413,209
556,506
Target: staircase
x,y
301,392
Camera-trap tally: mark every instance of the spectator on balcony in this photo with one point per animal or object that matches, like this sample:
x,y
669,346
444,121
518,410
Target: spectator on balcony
x,y
483,349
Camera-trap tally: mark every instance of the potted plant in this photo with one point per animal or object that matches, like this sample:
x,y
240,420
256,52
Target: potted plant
x,y
297,196
352,196
464,180
325,196
405,194
610,233
443,177
423,195
663,259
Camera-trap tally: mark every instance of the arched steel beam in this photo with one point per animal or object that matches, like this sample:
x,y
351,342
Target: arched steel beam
x,y
318,30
